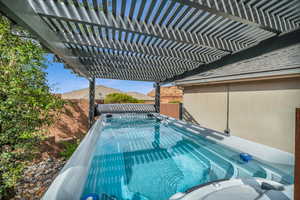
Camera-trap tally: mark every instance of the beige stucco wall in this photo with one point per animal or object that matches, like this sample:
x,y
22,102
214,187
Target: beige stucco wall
x,y
207,105
260,111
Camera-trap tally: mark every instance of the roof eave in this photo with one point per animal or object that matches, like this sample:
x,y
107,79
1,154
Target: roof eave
x,y
266,75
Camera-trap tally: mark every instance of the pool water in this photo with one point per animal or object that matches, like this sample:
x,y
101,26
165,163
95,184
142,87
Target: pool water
x,y
144,158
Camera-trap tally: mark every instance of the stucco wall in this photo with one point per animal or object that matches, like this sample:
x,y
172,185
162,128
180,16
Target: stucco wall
x,y
207,105
260,111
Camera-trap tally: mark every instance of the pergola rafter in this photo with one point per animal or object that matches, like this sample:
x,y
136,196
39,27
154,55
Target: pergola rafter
x,y
253,13
154,40
267,46
262,14
131,66
81,15
143,66
90,38
166,62
155,32
147,50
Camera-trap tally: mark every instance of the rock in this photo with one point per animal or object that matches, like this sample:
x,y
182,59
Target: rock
x,y
37,178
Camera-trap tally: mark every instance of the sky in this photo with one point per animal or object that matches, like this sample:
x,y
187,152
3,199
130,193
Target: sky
x,y
62,80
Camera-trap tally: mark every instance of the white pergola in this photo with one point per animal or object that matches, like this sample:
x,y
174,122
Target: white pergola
x,y
155,40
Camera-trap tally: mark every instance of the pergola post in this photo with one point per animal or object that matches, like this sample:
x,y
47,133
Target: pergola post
x,y
91,101
157,97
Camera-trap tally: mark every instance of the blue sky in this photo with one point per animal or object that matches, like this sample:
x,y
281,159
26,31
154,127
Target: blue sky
x,y
63,80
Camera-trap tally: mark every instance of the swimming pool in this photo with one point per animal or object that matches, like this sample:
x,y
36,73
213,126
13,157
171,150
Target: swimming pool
x,y
141,157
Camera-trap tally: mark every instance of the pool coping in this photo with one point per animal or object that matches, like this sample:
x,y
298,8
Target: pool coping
x,y
69,183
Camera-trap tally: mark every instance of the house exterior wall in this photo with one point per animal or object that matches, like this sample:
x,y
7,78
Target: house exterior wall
x,y
260,111
206,105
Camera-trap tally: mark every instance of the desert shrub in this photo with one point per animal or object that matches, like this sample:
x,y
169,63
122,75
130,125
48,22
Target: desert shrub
x,y
174,101
26,104
69,148
120,98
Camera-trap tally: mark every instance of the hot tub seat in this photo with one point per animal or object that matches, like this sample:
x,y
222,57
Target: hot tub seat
x,y
236,189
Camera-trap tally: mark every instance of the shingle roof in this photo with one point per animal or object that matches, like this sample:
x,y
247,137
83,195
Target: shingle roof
x,y
278,61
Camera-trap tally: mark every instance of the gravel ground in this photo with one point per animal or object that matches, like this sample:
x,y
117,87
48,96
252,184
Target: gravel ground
x,y
37,178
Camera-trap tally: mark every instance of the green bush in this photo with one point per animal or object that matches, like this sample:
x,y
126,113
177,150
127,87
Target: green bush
x,y
26,104
69,148
11,171
120,98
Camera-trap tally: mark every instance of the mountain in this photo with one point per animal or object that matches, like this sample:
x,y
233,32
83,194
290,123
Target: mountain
x,y
100,92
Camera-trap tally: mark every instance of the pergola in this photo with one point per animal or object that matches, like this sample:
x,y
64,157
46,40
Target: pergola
x,y
155,40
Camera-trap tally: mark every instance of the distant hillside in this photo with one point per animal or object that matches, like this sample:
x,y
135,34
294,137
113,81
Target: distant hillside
x,y
100,93
140,96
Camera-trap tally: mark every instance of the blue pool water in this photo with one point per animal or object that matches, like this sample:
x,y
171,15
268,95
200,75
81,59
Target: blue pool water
x,y
142,158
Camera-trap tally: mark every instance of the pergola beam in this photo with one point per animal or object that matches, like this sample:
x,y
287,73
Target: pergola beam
x,y
173,61
127,76
132,57
267,46
118,70
133,67
133,62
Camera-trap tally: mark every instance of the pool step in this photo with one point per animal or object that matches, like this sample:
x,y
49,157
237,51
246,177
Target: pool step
x,y
217,169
